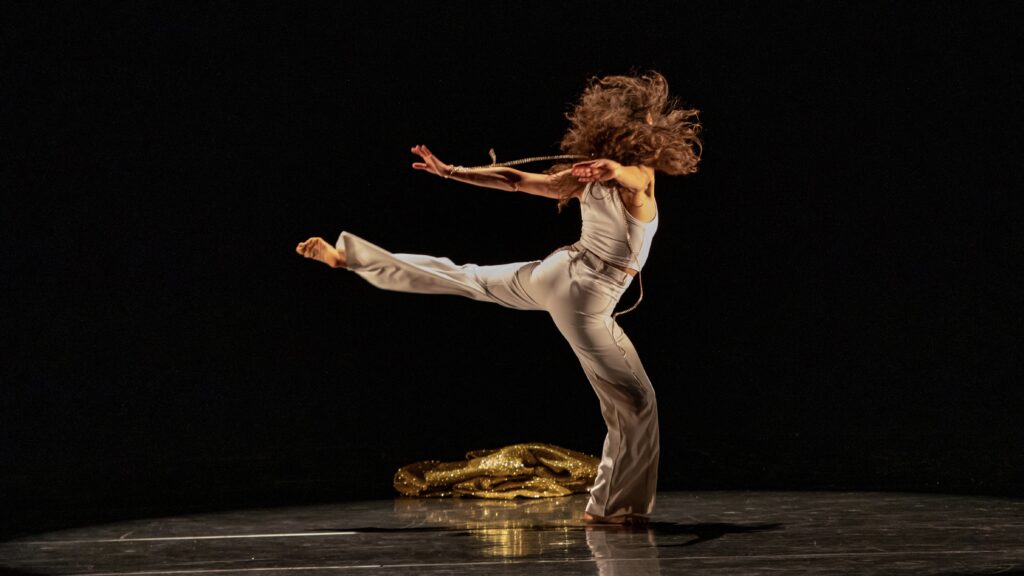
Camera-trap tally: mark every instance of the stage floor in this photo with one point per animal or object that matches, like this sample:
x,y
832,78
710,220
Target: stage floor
x,y
731,533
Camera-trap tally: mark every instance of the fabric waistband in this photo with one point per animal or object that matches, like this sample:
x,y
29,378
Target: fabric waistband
x,y
594,262
601,267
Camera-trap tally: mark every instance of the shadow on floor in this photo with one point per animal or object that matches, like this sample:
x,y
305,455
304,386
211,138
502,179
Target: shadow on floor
x,y
707,531
703,532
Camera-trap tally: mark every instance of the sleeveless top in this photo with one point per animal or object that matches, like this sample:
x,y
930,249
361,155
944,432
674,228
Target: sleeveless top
x,y
607,225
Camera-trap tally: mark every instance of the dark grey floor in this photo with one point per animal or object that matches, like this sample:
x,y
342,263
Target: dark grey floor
x,y
693,533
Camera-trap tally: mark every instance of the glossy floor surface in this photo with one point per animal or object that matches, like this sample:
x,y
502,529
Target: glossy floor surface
x,y
692,533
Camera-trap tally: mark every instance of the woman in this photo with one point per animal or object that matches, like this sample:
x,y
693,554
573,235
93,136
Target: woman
x,y
631,129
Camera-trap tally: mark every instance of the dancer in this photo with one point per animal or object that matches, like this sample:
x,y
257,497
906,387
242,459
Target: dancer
x,y
630,129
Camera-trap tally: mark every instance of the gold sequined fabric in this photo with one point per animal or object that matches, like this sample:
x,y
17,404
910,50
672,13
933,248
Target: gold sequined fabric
x,y
534,470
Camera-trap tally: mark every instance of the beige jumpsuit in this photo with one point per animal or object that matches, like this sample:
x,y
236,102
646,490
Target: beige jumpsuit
x,y
579,291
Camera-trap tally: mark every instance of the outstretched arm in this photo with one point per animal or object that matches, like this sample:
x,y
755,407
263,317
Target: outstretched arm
x,y
635,178
500,177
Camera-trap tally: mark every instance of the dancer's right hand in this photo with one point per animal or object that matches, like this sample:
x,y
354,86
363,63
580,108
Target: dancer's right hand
x,y
430,162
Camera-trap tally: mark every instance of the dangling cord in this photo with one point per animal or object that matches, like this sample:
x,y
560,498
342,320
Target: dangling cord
x,y
640,279
634,256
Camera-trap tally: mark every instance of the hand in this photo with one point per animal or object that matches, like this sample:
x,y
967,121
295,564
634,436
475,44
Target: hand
x,y
596,170
430,162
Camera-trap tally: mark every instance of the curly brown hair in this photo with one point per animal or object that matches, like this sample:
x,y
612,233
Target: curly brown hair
x,y
610,121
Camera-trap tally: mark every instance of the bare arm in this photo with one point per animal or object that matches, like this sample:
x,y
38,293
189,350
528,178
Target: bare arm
x,y
635,178
500,177
636,184
513,180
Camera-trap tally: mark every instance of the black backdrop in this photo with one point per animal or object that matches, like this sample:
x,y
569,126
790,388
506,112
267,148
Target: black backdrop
x,y
829,301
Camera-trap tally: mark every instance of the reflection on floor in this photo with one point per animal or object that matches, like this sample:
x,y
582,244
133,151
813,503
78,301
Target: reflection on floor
x,y
693,532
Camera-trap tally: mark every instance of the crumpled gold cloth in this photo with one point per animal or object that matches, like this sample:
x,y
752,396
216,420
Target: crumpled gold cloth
x,y
533,470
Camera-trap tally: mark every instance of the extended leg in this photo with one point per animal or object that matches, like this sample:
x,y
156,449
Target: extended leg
x,y
505,284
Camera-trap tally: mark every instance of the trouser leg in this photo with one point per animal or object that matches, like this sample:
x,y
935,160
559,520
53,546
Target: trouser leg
x,y
580,305
627,476
640,434
504,284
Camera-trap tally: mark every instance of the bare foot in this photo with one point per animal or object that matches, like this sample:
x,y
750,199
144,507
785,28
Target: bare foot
x,y
629,520
317,249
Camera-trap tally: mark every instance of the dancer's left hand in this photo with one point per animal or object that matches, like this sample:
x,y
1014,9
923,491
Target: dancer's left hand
x,y
596,170
430,162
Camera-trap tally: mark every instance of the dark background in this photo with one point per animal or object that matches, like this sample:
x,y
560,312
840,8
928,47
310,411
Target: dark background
x,y
829,304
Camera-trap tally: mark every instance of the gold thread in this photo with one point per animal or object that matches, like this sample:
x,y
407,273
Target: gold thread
x,y
494,159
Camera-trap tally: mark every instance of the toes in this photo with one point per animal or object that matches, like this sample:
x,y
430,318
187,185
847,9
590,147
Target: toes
x,y
312,248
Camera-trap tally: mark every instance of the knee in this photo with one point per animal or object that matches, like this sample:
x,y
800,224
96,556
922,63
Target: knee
x,y
645,400
639,398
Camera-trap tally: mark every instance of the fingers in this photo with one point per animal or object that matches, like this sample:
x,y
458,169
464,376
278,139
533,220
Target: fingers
x,y
584,173
432,168
430,162
421,150
582,170
592,170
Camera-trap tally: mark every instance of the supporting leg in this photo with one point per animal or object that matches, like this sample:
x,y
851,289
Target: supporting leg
x,y
628,473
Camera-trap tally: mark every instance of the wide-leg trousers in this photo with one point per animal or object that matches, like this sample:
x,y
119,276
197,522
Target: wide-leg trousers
x,y
579,291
